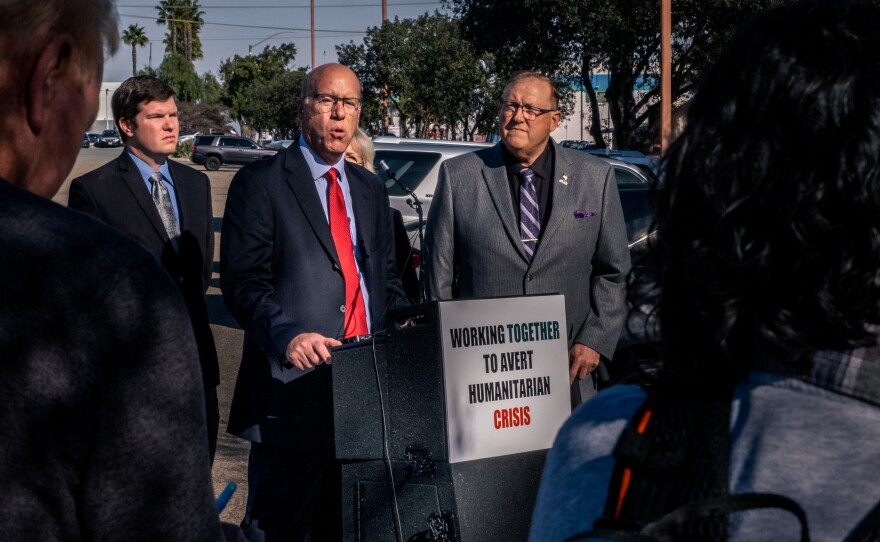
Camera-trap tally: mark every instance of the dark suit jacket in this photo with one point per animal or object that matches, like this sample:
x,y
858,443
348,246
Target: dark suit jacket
x,y
103,417
280,277
115,193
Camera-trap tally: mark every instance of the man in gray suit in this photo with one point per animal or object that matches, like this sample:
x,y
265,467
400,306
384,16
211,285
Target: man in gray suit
x,y
530,217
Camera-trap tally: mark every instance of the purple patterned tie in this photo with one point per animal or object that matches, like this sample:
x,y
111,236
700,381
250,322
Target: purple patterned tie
x,y
529,216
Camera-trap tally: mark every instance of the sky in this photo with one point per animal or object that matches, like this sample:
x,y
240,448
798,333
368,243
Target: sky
x,y
231,26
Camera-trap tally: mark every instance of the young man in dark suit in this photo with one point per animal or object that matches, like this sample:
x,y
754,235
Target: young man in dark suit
x,y
306,260
162,204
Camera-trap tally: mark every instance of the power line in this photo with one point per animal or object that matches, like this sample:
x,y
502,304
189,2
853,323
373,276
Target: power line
x,y
436,2
206,23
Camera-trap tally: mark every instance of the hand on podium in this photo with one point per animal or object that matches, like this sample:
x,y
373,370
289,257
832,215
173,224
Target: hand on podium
x,y
308,350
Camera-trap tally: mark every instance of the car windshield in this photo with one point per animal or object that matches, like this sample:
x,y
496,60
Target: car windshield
x,y
411,168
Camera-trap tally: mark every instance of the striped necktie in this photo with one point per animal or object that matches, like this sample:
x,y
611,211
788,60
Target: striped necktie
x,y
529,215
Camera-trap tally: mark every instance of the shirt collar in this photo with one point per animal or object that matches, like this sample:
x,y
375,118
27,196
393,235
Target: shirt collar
x,y
317,165
146,170
542,166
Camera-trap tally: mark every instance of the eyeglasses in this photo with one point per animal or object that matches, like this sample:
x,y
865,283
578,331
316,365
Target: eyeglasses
x,y
530,112
324,103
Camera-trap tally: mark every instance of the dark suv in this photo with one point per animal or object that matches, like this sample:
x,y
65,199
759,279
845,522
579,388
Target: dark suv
x,y
216,150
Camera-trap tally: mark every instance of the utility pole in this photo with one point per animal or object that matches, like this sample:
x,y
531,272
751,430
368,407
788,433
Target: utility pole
x,y
385,87
313,34
665,74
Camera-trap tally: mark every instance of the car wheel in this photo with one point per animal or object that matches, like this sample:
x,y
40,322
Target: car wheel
x,y
212,163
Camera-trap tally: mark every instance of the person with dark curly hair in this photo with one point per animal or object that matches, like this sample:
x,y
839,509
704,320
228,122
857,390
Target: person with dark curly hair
x,y
768,263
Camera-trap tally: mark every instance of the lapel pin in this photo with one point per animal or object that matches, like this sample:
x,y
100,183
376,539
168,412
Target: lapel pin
x,y
564,179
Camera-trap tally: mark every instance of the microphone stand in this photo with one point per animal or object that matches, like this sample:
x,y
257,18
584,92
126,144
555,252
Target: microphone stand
x,y
416,205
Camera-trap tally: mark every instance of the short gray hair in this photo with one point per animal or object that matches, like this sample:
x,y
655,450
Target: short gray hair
x,y
555,94
94,25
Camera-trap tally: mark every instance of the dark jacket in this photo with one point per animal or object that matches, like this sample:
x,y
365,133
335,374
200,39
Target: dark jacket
x,y
100,394
116,194
280,277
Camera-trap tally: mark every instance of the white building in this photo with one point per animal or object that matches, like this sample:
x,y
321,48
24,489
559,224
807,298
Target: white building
x,y
104,120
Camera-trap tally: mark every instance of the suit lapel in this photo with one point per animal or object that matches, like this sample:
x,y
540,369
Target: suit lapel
x,y
360,203
181,188
564,200
495,176
132,178
303,186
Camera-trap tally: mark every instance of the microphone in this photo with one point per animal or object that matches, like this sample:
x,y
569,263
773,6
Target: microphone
x,y
416,204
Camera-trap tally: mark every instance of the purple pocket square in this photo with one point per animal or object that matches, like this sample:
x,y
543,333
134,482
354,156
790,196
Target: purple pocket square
x,y
584,214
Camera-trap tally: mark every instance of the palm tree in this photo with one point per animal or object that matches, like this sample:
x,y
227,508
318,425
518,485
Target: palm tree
x,y
169,11
135,37
191,21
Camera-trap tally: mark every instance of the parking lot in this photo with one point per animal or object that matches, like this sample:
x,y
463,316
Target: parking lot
x,y
230,463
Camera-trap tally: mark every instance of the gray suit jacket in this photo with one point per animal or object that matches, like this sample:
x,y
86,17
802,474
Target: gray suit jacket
x,y
475,249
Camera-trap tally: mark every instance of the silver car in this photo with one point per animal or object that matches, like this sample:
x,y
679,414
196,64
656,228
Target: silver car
x,y
416,164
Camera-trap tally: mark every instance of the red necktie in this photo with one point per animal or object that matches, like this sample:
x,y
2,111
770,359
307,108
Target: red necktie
x,y
355,314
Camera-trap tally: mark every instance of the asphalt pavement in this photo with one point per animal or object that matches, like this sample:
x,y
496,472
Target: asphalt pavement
x,y
230,463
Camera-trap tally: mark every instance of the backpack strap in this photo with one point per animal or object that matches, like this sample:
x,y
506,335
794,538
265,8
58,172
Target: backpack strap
x,y
868,530
660,529
675,451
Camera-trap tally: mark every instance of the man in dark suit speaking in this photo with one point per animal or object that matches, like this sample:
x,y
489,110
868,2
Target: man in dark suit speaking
x,y
306,260
164,205
529,217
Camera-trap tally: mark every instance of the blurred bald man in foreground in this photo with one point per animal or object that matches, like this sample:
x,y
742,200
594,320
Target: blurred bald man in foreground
x,y
101,410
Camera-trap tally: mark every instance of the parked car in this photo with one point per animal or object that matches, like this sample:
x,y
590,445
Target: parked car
x,y
109,138
187,135
280,144
93,137
648,164
213,151
416,163
85,142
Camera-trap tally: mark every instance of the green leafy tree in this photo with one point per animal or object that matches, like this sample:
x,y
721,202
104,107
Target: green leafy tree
x,y
212,90
134,35
258,89
274,103
180,75
206,118
426,71
572,40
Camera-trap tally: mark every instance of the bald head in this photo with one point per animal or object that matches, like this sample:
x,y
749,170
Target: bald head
x,y
329,110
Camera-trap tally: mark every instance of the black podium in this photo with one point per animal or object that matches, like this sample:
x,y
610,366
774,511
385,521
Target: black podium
x,y
398,483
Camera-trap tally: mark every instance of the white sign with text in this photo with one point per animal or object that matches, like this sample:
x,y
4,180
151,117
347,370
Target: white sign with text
x,y
505,362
